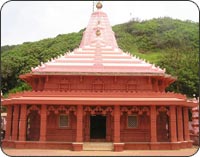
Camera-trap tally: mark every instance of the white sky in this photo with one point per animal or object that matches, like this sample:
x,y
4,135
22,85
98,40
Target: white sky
x,y
31,21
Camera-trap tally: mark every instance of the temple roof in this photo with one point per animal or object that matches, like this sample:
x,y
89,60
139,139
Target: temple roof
x,y
98,53
104,98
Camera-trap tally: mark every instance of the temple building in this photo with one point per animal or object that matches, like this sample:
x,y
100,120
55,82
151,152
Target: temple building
x,y
97,93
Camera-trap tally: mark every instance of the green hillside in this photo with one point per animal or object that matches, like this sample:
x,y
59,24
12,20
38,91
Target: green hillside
x,y
169,43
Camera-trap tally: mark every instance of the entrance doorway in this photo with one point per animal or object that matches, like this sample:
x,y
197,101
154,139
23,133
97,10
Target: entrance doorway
x,y
97,127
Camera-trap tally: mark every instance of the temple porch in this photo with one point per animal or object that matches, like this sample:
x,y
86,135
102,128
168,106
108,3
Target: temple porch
x,y
68,126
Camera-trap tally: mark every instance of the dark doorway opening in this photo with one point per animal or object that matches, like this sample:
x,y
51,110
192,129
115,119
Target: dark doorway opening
x,y
98,127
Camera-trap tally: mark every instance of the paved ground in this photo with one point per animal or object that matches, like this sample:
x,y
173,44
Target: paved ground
x,y
44,152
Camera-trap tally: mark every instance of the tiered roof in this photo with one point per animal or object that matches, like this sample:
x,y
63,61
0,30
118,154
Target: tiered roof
x,y
98,54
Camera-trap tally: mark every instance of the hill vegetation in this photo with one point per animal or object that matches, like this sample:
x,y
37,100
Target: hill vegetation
x,y
169,43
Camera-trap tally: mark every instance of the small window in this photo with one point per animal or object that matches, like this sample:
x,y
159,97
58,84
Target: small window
x,y
132,121
63,121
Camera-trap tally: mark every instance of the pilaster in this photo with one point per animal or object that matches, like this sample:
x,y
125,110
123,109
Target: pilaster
x,y
43,122
117,124
173,124
79,127
15,122
22,125
153,128
78,145
180,123
117,145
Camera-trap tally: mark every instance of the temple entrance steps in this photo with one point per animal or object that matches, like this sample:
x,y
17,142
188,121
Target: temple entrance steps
x,y
97,146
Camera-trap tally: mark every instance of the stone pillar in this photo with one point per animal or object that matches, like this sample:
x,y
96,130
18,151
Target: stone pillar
x,y
79,126
180,123
8,123
117,145
116,124
153,124
22,124
43,122
173,124
15,122
186,124
78,145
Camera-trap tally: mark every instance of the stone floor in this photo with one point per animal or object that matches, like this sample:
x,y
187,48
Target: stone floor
x,y
44,152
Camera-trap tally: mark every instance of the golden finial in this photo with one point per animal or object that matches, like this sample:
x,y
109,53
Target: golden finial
x,y
98,33
99,5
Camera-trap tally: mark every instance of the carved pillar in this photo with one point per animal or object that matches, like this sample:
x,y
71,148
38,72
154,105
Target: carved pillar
x,y
186,124
43,122
153,124
15,123
173,124
8,123
116,124
180,123
22,124
79,126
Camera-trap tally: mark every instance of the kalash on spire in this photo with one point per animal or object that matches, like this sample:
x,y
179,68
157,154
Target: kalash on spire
x,y
99,5
98,31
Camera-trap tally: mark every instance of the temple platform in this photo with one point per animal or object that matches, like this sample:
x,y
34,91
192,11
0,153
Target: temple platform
x,y
97,146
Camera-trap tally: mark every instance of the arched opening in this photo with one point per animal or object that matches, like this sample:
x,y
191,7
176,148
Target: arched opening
x,y
162,127
33,126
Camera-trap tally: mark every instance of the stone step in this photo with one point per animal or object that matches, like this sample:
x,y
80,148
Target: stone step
x,y
97,146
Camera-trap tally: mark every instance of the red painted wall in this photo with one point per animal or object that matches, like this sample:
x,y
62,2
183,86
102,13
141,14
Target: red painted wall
x,y
56,133
139,134
135,83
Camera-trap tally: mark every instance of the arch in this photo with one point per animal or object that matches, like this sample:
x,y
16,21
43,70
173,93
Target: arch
x,y
162,125
33,126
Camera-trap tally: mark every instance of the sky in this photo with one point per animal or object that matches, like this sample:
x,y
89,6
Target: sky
x,y
23,21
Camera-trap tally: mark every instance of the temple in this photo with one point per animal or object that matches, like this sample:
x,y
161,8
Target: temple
x,y
97,93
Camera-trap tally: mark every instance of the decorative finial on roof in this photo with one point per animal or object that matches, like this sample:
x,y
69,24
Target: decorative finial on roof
x,y
98,33
99,5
